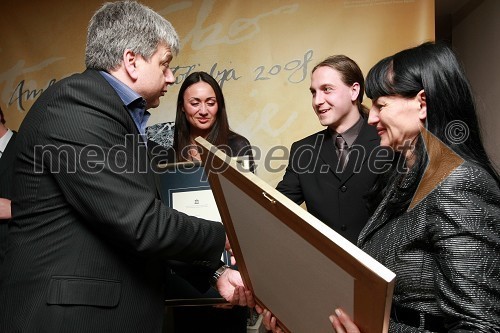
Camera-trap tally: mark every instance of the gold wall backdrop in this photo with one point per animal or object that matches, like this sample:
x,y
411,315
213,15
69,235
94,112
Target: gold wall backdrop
x,y
260,51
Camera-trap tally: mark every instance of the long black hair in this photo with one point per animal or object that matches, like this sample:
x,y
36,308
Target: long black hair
x,y
434,68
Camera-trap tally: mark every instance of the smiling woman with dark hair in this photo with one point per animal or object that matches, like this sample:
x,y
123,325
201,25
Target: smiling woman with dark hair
x,y
437,221
201,111
437,224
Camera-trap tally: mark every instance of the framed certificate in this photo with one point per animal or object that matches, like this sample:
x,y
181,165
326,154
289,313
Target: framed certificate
x,y
185,187
295,265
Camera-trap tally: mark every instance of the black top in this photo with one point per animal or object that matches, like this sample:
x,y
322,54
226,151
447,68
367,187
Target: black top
x,y
238,146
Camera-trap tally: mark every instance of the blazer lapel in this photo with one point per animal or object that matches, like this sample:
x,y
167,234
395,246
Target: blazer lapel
x,y
377,220
359,151
364,144
140,149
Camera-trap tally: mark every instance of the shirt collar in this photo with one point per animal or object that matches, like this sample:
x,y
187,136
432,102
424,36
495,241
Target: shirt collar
x,y
351,134
4,140
127,94
135,104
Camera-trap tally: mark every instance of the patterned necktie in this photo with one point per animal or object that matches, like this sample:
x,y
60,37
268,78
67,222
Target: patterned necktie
x,y
342,151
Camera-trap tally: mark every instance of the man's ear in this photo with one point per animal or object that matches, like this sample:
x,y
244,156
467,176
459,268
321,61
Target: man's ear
x,y
130,63
421,98
355,91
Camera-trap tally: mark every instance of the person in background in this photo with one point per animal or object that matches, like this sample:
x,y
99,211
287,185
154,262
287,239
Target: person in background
x,y
333,169
201,111
90,238
436,226
7,154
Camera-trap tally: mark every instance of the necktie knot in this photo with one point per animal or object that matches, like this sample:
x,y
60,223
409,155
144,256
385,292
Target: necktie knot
x,y
340,142
342,151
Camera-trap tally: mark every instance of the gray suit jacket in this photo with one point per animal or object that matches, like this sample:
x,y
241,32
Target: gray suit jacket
x,y
445,252
90,238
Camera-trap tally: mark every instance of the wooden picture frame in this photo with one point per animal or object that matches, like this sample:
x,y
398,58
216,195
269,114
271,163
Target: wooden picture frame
x,y
295,265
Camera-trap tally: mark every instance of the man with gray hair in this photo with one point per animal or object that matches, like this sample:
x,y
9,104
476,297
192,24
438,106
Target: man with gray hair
x,y
90,238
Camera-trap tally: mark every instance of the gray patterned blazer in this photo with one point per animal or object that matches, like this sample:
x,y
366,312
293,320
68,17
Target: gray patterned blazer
x,y
445,253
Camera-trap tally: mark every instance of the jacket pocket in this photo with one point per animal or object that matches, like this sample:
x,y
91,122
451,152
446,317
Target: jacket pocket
x,y
76,290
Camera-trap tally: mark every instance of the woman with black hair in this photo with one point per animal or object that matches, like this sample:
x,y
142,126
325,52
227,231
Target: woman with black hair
x,y
437,226
436,222
201,111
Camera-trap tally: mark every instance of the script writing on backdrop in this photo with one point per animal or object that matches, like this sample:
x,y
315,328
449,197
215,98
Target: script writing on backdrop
x,y
261,52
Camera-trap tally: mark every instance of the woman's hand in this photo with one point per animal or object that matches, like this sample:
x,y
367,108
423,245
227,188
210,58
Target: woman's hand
x,y
342,323
269,321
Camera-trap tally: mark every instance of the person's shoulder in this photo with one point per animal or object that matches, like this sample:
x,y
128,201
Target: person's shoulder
x,y
465,169
469,191
469,169
85,75
91,76
237,139
75,81
239,145
368,133
312,138
470,176
369,129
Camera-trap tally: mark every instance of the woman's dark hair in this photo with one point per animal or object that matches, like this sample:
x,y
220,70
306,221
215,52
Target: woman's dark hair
x,y
434,68
350,73
220,131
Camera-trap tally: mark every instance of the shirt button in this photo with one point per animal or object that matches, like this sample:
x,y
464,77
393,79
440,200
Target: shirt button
x,y
343,227
343,188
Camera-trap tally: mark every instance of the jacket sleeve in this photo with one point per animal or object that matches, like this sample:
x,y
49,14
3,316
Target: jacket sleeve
x,y
465,234
290,184
102,174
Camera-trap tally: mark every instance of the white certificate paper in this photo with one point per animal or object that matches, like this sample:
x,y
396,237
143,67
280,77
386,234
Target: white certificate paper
x,y
199,203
